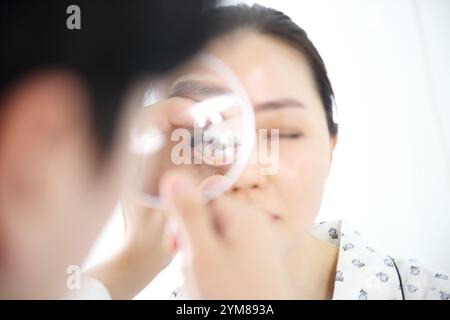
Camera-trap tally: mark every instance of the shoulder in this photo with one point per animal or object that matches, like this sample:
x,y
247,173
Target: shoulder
x,y
423,282
363,272
376,275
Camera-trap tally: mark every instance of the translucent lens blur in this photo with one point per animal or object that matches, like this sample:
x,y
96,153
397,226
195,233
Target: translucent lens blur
x,y
198,119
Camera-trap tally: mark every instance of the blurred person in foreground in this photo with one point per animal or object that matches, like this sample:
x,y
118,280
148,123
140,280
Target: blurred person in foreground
x,y
63,122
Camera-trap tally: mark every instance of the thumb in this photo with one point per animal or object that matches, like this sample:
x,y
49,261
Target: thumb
x,y
191,218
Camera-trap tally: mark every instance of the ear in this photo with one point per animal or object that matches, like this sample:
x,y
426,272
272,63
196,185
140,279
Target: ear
x,y
333,142
39,115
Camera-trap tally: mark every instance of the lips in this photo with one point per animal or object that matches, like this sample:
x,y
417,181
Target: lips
x,y
272,215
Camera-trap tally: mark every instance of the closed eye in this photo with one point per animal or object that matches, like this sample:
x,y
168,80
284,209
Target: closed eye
x,y
286,134
293,135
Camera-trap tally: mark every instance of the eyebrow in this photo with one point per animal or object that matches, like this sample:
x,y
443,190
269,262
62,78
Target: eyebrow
x,y
196,88
279,104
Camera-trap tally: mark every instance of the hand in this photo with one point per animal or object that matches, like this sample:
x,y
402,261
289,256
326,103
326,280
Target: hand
x,y
145,253
229,251
145,235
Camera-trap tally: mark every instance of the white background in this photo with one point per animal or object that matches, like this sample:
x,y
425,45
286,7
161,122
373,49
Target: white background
x,y
389,63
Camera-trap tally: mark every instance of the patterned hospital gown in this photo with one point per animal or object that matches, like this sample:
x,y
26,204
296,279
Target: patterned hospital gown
x,y
363,273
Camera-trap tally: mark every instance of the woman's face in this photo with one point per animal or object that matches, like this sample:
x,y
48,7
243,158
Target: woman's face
x,y
281,88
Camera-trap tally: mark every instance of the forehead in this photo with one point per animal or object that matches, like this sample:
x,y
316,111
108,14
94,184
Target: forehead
x,y
267,67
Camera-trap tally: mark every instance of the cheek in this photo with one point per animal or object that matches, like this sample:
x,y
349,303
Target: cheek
x,y
300,182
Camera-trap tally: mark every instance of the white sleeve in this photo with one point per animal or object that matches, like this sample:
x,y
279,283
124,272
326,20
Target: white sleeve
x,y
176,294
90,289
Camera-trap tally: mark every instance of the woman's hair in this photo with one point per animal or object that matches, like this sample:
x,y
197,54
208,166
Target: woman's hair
x,y
224,20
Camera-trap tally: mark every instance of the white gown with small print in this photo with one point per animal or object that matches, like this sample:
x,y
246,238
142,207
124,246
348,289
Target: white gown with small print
x,y
363,273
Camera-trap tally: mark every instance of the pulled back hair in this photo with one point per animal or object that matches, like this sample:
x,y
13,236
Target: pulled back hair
x,y
267,21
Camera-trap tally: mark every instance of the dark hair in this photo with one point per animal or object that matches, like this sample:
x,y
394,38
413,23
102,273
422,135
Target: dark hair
x,y
118,42
223,20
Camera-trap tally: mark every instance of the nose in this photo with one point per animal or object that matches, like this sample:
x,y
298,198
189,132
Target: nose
x,y
251,177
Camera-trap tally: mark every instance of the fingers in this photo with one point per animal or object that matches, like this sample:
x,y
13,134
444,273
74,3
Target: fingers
x,y
193,221
199,226
227,218
237,221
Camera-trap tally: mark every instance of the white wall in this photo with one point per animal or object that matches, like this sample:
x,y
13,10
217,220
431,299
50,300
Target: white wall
x,y
389,62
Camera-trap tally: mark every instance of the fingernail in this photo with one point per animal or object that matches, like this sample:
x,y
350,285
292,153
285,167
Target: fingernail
x,y
178,187
173,187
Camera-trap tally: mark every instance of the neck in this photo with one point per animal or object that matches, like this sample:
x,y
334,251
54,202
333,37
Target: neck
x,y
311,265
